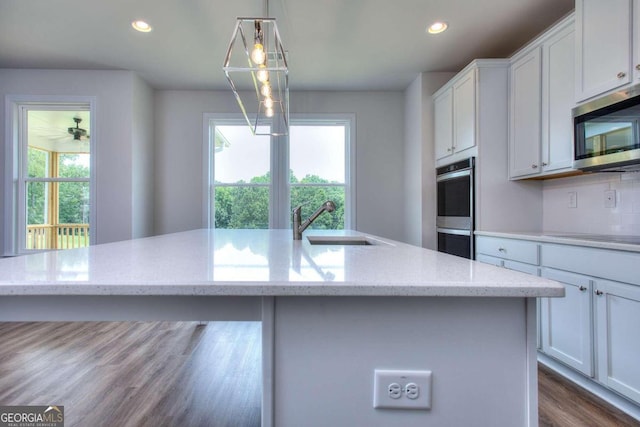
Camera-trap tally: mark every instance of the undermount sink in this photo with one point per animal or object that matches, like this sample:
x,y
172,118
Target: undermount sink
x,y
340,240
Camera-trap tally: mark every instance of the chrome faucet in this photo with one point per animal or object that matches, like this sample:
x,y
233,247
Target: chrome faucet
x,y
299,226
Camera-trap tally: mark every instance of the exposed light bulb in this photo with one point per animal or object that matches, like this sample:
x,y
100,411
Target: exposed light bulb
x,y
265,90
268,102
268,112
257,54
263,74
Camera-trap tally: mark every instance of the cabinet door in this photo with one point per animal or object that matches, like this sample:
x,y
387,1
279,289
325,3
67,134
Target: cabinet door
x,y
464,112
618,336
443,123
557,101
524,120
603,41
566,322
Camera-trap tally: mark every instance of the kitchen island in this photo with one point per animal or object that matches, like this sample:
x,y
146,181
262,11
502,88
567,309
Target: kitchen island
x,y
331,315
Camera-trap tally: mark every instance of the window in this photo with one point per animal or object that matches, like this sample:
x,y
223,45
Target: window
x,y
255,181
50,202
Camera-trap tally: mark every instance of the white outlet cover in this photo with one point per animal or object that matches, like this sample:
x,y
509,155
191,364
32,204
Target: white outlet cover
x,y
383,378
610,198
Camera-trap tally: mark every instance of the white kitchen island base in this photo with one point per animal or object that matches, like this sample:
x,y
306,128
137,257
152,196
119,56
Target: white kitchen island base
x,y
320,353
481,352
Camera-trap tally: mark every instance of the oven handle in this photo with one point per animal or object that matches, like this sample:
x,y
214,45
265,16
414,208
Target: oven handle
x,y
454,231
453,175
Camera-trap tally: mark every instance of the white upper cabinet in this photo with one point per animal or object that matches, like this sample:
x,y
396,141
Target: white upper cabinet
x,y
443,123
464,112
455,115
604,34
558,99
524,119
540,103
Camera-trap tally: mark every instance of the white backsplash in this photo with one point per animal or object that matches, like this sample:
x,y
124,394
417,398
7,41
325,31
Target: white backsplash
x,y
590,215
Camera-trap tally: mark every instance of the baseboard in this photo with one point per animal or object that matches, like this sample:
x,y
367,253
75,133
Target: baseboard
x,y
609,396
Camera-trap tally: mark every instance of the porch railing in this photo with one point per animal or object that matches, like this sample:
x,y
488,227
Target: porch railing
x,y
61,236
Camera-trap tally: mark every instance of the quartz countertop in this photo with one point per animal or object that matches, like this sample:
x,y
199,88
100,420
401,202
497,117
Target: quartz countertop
x,y
261,263
620,243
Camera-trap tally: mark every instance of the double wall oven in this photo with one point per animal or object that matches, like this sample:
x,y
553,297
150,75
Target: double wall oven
x,y
455,219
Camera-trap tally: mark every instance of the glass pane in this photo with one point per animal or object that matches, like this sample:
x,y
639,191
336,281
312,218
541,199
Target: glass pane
x,y
239,156
311,198
74,203
73,165
38,163
37,195
39,233
317,153
242,207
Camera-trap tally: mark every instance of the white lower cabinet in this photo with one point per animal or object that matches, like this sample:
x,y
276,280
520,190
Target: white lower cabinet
x,y
617,307
595,328
566,322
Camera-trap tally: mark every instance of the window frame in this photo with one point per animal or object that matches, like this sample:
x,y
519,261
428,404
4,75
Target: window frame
x,y
280,188
16,164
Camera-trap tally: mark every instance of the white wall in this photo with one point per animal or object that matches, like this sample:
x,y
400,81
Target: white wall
x,y
142,159
419,160
114,94
590,215
379,154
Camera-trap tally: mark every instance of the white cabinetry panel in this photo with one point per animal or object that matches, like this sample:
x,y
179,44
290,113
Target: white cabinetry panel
x,y
541,99
510,249
558,98
443,123
603,54
464,112
524,122
566,322
618,337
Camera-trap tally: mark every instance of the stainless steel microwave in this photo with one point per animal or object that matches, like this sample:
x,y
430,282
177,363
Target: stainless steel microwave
x,y
607,133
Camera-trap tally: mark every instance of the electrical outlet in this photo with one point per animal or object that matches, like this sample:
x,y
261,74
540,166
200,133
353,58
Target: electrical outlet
x,y
402,389
609,198
572,201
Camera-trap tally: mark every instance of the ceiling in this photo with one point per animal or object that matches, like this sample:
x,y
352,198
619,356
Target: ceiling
x,y
332,44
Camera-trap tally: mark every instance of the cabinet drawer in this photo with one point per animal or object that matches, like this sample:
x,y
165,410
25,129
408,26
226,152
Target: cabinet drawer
x,y
490,260
522,267
608,264
515,250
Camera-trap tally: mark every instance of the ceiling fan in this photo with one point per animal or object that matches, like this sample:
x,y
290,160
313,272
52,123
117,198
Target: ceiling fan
x,y
77,132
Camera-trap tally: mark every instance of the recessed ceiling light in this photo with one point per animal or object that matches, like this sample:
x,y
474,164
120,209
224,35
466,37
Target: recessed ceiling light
x,y
437,27
141,26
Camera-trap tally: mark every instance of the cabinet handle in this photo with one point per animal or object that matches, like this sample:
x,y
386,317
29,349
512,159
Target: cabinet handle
x,y
545,164
449,149
638,67
534,166
502,250
599,292
583,288
621,74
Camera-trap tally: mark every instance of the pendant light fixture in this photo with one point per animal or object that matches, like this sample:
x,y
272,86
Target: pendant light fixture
x,y
256,68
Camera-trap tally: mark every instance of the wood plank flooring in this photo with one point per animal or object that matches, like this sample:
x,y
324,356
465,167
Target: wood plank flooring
x,y
564,404
184,374
135,373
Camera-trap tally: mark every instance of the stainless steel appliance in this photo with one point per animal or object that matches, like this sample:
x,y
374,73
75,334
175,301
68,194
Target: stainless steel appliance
x,y
455,219
606,133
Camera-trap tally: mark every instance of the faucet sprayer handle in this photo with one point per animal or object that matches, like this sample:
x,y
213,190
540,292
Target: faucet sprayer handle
x,y
329,206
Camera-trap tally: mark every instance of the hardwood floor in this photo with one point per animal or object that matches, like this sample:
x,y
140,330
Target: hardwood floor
x,y
135,373
564,404
184,374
